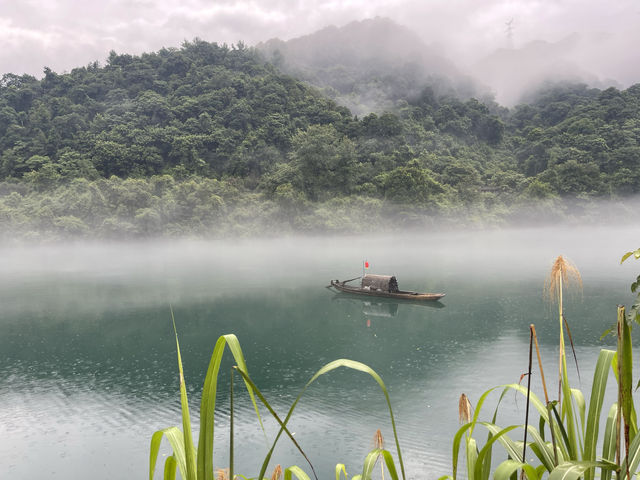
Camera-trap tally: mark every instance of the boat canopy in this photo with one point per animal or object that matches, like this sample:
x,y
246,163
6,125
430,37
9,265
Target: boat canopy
x,y
385,283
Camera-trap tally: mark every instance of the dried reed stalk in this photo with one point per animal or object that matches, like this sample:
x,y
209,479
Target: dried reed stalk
x,y
526,415
546,394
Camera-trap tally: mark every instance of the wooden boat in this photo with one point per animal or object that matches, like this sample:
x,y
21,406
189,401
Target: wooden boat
x,y
385,286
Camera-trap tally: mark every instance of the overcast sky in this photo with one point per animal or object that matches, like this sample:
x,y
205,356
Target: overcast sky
x,y
63,34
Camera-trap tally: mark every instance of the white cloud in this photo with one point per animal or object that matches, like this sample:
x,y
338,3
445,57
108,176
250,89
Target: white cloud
x,y
63,34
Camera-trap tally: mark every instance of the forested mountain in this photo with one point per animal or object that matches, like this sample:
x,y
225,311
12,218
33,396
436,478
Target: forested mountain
x,y
203,109
211,140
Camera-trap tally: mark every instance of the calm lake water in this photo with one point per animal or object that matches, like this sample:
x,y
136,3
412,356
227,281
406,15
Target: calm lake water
x,y
88,364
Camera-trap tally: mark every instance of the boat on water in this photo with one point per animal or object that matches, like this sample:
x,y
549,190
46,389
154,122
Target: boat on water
x,y
385,286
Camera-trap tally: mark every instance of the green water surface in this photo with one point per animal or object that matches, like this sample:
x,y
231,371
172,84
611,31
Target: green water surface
x,y
88,364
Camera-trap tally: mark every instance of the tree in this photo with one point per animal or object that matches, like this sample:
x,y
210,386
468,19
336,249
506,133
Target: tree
x,y
325,160
411,184
573,178
463,175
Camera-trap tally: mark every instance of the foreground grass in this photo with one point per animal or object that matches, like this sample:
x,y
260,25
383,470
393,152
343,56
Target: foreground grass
x,y
567,443
196,462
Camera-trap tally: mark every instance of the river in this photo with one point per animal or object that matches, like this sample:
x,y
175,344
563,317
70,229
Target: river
x,y
88,366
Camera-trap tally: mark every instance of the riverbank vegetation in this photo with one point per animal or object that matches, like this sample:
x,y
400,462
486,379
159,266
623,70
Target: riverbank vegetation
x,y
207,140
196,462
565,441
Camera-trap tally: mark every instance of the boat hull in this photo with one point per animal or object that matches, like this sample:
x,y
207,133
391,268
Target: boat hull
x,y
401,295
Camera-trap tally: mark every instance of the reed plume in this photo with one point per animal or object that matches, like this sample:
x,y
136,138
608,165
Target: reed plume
x,y
563,274
464,409
277,473
378,443
222,474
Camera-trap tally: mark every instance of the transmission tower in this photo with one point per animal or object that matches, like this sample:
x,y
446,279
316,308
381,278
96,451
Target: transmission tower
x,y
509,31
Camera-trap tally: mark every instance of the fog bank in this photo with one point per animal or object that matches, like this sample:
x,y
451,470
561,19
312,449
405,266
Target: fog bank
x,y
158,273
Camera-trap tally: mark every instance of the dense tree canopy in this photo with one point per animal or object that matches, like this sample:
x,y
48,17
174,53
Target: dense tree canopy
x,y
202,138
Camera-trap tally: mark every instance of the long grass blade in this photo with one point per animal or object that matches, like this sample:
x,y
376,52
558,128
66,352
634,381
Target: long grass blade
x,y
562,432
568,414
341,470
546,412
506,469
472,458
457,438
231,426
176,440
542,449
625,380
573,350
535,401
324,370
580,403
189,450
208,402
498,435
370,463
609,441
297,471
282,424
575,469
630,464
596,400
170,468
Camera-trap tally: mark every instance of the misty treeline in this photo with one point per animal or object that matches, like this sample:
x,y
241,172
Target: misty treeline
x,y
210,140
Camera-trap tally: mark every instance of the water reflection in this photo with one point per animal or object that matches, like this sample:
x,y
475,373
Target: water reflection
x,y
383,307
379,309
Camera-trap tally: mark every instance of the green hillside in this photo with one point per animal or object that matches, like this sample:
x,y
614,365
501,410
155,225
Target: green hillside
x,y
213,140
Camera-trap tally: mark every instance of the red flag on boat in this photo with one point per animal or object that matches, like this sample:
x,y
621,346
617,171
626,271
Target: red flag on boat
x,y
366,264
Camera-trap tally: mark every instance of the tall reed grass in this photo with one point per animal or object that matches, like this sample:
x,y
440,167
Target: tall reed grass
x,y
566,443
196,463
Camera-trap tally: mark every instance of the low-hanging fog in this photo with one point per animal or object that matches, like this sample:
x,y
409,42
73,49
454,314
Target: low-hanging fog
x,y
507,46
161,272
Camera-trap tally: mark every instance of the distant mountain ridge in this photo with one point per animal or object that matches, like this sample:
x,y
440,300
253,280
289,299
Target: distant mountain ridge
x,y
361,42
368,65
374,65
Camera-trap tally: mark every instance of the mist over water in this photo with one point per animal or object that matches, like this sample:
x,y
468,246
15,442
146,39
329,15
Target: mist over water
x,y
87,357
